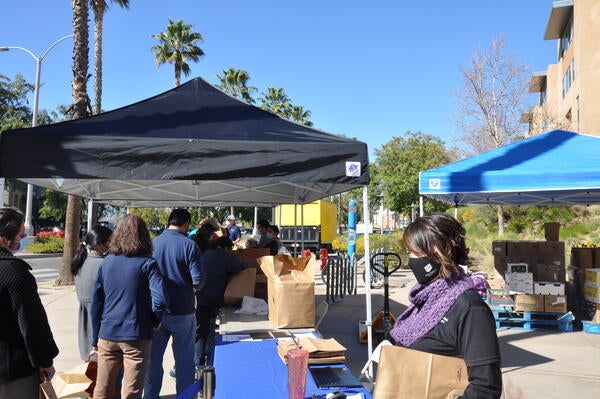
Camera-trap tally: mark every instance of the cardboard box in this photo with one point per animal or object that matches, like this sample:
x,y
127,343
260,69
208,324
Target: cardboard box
x,y
291,290
552,260
591,292
519,267
496,281
499,298
519,283
552,273
555,248
516,248
582,257
249,256
548,288
500,263
240,284
529,303
520,259
499,248
555,303
407,373
596,257
592,276
536,248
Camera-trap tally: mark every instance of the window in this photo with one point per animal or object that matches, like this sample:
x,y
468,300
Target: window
x,y
543,95
568,78
566,38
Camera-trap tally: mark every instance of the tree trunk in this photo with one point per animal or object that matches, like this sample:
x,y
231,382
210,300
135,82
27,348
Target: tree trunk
x,y
500,221
80,108
65,276
98,23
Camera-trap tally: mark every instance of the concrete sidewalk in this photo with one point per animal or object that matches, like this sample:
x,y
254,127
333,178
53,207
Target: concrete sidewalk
x,y
535,364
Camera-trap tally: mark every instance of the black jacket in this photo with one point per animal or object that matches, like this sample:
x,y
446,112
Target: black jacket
x,y
26,342
468,331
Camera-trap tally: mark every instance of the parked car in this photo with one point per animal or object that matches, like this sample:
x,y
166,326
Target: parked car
x,y
51,231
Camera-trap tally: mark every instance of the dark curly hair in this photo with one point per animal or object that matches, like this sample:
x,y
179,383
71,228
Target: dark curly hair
x,y
131,237
440,238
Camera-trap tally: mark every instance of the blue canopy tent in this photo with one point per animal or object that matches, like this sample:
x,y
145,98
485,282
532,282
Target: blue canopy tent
x,y
554,168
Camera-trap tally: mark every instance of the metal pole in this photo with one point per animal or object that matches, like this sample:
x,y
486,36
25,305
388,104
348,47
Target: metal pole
x,y
36,97
369,317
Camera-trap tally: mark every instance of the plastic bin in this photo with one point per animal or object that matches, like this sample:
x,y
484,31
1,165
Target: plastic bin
x,y
590,328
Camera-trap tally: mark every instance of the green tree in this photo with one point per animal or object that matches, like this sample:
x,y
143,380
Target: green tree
x,y
235,83
154,217
14,110
299,115
177,46
276,101
54,206
396,170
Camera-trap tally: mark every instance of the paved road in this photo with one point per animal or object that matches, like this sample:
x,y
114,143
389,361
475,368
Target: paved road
x,y
45,269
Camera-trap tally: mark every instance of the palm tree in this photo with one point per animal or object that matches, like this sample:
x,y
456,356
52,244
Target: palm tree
x,y
177,46
235,82
299,115
276,102
79,109
99,7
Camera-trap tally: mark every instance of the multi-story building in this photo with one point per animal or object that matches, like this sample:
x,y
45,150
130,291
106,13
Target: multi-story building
x,y
568,90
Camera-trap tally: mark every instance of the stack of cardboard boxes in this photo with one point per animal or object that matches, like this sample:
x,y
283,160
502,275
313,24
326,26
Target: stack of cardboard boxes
x,y
534,271
587,261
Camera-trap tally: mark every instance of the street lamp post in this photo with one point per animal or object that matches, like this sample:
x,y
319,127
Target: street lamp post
x,y
36,97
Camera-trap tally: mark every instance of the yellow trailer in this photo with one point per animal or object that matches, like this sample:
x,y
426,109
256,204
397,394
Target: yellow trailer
x,y
319,219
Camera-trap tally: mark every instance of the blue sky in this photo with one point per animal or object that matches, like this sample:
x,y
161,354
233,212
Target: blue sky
x,y
370,70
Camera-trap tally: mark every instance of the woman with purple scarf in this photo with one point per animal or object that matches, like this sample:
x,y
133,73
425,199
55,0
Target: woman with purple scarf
x,y
446,315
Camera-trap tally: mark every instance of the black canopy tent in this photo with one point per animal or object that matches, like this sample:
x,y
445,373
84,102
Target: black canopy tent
x,y
190,146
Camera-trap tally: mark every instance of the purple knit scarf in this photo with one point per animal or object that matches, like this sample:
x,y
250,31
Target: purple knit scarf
x,y
429,304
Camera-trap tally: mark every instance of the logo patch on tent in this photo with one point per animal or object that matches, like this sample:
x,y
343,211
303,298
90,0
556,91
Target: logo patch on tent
x,y
435,184
353,169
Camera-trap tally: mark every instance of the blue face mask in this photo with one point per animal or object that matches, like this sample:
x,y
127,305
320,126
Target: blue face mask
x,y
22,244
269,235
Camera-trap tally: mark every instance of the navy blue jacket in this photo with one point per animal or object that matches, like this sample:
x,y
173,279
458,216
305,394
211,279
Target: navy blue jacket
x,y
129,299
178,259
218,266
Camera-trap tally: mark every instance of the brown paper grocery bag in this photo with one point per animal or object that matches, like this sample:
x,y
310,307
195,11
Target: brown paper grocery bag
x,y
47,391
290,290
240,284
409,374
76,382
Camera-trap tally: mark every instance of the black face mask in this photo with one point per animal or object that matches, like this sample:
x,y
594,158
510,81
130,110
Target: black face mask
x,y
424,269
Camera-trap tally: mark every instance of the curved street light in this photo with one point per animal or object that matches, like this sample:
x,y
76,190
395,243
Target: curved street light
x,y
36,95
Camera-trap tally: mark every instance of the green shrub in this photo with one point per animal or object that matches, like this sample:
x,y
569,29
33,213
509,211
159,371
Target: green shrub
x,y
46,245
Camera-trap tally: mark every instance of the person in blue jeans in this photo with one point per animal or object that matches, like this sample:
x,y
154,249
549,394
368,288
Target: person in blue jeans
x,y
178,259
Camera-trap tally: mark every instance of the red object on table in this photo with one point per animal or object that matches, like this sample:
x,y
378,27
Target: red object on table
x,y
306,253
297,367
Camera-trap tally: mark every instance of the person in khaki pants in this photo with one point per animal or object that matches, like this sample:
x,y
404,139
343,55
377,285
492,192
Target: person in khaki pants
x,y
128,303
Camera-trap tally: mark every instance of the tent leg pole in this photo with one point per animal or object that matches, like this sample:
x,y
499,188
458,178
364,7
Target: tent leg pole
x,y
369,318
255,230
90,209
